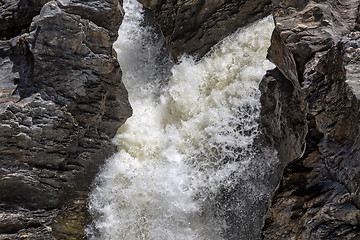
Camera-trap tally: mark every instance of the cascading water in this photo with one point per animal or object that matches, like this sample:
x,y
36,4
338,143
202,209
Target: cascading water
x,y
187,167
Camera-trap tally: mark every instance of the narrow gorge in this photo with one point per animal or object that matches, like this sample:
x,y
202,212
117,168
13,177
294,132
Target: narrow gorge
x,y
187,166
175,125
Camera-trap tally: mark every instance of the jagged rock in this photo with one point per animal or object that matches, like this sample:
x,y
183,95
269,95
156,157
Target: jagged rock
x,y
25,224
61,102
316,48
105,13
193,27
16,15
37,137
283,118
305,27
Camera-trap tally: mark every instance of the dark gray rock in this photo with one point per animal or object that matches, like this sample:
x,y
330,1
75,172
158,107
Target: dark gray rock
x,y
316,48
104,13
37,137
282,117
61,102
305,27
16,15
193,27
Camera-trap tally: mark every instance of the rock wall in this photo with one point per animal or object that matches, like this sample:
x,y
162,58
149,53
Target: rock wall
x,y
62,99
61,102
311,115
193,27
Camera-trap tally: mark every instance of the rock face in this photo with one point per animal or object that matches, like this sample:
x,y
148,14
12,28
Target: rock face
x,y
193,27
62,99
61,102
311,115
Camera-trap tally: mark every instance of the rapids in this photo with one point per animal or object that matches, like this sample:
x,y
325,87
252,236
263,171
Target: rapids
x,y
187,167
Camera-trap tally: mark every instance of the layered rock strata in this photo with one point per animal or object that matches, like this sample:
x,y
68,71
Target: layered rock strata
x,y
193,27
311,115
61,102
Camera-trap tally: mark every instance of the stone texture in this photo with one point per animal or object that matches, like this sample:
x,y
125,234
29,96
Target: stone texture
x,y
282,117
61,102
104,13
16,15
193,27
26,224
316,48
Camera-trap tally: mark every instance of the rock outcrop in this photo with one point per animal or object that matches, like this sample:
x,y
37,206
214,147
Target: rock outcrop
x,y
193,27
61,102
62,99
311,115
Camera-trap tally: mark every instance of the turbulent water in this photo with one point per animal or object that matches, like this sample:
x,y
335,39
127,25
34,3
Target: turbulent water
x,y
186,166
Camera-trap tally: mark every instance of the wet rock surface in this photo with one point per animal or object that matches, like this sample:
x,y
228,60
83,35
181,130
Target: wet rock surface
x,y
61,102
316,48
193,27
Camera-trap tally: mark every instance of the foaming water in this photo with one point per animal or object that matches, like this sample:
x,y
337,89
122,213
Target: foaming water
x,y
186,163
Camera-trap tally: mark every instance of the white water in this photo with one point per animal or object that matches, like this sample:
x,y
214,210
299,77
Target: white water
x,y
189,142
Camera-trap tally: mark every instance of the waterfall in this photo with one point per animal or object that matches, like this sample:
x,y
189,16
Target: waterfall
x,y
186,166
